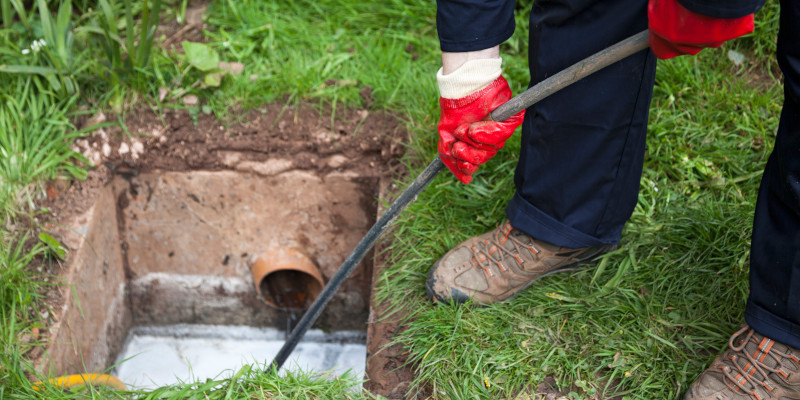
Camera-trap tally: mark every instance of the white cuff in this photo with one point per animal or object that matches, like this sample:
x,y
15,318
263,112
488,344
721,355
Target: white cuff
x,y
469,78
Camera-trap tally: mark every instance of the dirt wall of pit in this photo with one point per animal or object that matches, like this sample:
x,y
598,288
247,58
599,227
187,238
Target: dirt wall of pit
x,y
91,325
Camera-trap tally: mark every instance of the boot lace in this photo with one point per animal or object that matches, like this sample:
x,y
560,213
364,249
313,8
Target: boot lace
x,y
492,251
744,378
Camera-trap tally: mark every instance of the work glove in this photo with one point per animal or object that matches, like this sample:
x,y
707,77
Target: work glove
x,y
468,95
675,31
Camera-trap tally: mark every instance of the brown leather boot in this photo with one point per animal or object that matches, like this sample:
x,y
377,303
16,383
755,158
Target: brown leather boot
x,y
755,367
499,264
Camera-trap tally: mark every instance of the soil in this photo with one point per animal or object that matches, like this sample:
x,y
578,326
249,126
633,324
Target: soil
x,y
367,143
388,372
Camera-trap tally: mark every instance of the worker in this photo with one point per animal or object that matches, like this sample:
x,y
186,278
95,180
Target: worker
x,y
581,158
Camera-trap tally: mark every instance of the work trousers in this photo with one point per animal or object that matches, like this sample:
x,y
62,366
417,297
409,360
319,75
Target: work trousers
x,y
582,153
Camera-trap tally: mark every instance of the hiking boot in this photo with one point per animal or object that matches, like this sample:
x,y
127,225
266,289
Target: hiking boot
x,y
499,264
755,367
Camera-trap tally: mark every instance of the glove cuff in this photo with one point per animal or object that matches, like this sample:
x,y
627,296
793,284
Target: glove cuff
x,y
469,78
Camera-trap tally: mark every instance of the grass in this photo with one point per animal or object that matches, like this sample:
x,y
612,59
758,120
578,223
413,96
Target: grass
x,y
35,136
643,323
650,317
302,51
249,382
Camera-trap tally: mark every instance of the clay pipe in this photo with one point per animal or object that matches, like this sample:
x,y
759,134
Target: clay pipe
x,y
285,278
577,71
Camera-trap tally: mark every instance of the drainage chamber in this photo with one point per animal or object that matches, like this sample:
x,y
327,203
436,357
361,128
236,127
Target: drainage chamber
x,y
165,274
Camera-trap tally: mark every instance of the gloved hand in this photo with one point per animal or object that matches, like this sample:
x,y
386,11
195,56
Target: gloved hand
x,y
465,141
675,31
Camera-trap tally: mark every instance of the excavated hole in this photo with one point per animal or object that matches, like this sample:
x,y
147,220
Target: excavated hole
x,y
150,250
186,306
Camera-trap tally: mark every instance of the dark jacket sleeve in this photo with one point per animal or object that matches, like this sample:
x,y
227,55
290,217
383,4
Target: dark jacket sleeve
x,y
723,8
469,25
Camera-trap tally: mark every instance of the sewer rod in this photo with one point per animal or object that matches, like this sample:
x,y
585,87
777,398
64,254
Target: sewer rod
x,y
577,71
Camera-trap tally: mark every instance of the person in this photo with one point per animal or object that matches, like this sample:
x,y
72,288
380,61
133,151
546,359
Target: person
x,y
581,159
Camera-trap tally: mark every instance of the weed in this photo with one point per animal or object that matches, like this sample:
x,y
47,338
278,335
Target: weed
x,y
53,56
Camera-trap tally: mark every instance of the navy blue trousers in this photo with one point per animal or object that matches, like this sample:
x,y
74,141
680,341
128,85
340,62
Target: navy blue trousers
x,y
583,148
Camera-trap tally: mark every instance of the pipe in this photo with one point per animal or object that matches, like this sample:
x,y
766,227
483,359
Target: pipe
x,y
286,279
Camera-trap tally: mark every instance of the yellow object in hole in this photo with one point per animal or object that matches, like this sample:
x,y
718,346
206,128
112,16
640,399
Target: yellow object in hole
x,y
68,381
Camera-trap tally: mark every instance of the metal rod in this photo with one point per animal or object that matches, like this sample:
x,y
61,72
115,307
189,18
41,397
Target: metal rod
x,y
355,257
528,98
570,75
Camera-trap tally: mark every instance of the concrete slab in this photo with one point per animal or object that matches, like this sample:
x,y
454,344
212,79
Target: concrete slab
x,y
163,355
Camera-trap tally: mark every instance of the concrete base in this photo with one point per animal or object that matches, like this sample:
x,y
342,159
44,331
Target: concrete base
x,y
158,356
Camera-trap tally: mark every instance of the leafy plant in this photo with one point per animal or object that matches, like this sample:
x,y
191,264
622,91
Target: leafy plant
x,y
54,248
205,59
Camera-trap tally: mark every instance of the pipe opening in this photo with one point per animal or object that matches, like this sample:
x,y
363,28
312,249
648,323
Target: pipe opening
x,y
287,279
290,289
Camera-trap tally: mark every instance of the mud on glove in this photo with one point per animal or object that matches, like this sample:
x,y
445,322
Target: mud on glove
x,y
675,31
468,95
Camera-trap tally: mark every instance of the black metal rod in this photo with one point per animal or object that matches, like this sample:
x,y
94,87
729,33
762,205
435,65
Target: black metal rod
x,y
541,90
570,75
355,257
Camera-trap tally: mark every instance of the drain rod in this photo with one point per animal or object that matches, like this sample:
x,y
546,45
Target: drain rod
x,y
577,71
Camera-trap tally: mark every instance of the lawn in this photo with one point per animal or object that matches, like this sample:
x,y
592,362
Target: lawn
x,y
641,324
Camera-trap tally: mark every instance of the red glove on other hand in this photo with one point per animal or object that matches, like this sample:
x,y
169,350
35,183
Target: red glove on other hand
x,y
465,141
675,31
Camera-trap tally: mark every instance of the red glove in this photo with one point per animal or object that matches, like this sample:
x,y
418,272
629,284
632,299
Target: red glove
x,y
675,31
465,141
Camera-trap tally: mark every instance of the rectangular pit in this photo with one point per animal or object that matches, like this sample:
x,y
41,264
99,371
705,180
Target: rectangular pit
x,y
158,250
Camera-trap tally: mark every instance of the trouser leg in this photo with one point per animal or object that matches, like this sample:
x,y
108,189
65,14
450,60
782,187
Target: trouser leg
x,y
582,150
773,308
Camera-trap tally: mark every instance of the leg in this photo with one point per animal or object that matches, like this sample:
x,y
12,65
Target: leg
x,y
773,308
583,147
767,350
581,159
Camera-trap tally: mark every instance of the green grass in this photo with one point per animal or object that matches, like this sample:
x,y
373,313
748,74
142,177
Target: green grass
x,y
644,322
249,382
35,137
650,317
293,48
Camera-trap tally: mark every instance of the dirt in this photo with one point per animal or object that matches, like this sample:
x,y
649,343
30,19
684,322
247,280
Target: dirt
x,y
387,371
368,143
